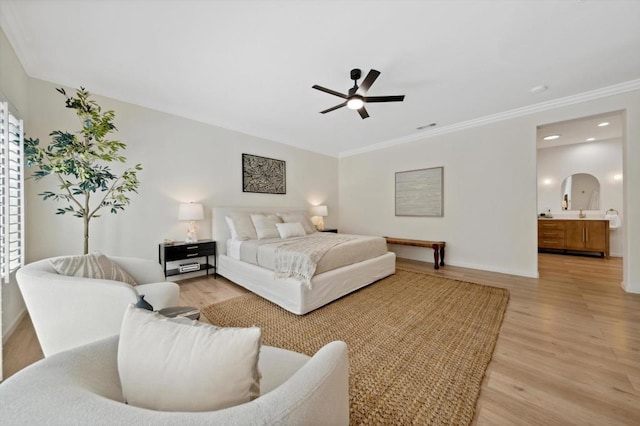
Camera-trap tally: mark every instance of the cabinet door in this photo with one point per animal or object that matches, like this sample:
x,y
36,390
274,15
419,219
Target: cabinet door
x,y
575,234
595,235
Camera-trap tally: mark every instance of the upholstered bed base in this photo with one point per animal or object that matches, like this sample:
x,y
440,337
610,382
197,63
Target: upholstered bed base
x,y
291,294
295,296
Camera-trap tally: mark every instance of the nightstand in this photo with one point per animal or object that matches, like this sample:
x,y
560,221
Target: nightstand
x,y
335,231
187,251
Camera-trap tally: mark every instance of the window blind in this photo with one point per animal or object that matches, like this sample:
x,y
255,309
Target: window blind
x,y
11,193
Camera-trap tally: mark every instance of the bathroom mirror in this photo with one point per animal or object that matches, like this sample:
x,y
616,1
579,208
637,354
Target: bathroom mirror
x,y
580,191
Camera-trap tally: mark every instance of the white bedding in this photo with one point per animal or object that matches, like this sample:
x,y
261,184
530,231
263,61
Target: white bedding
x,y
233,248
345,268
263,252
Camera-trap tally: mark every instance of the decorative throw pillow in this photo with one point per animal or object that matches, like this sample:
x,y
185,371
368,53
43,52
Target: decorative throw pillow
x,y
288,230
232,228
265,225
175,364
95,265
309,227
244,226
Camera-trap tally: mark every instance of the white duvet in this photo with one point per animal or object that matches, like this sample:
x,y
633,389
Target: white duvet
x,y
263,252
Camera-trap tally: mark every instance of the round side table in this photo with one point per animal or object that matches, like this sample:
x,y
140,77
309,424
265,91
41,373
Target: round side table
x,y
181,311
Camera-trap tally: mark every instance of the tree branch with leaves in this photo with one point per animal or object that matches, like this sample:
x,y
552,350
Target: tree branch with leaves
x,y
80,163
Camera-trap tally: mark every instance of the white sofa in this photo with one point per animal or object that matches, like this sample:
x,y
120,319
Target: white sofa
x,y
71,311
82,387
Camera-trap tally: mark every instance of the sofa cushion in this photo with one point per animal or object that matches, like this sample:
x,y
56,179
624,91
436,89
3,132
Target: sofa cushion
x,y
175,364
95,265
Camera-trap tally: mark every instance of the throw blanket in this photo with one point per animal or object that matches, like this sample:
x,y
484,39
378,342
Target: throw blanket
x,y
298,259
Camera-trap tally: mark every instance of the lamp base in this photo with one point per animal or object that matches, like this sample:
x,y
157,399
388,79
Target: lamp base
x,y
192,237
318,221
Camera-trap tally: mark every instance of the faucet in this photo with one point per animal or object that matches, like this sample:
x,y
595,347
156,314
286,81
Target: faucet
x,y
582,214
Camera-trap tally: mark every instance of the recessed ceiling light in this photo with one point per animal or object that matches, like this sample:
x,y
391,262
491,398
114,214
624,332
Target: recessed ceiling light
x,y
604,123
551,137
617,177
590,139
547,181
426,126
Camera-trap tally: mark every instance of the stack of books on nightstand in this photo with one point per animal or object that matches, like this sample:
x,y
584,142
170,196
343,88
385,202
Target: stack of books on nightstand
x,y
189,267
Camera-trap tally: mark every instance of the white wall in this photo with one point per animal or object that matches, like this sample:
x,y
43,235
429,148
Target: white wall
x,y
601,159
182,161
13,88
484,169
490,190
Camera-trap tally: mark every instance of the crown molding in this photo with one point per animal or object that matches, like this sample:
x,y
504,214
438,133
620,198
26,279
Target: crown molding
x,y
616,89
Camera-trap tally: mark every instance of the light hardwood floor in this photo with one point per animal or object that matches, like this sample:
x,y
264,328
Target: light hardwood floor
x,y
568,351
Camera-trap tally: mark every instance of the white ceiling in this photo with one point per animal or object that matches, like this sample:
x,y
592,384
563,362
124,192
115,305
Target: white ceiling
x,y
249,65
581,129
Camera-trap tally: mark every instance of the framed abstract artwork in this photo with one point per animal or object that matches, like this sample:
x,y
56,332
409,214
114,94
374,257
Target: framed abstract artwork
x,y
419,192
263,175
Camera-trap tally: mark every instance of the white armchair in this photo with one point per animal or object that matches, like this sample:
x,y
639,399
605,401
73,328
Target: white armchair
x,y
82,387
71,311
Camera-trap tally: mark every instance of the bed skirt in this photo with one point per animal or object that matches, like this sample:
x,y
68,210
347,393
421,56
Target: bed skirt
x,y
295,296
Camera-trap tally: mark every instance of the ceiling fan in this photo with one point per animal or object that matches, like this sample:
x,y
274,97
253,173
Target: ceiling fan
x,y
356,97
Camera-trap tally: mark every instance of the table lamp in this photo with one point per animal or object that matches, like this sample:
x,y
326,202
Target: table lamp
x,y
191,212
318,213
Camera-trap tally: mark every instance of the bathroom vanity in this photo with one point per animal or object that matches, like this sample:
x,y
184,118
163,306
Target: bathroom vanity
x,y
585,235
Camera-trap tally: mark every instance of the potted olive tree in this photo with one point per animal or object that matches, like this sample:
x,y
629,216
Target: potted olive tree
x,y
80,163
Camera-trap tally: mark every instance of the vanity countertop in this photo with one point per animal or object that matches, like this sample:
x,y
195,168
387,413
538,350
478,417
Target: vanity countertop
x,y
571,218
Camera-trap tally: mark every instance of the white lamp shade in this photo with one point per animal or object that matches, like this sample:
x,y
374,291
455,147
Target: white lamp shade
x,y
190,211
319,211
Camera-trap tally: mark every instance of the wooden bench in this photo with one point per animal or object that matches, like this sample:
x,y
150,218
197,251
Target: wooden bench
x,y
437,246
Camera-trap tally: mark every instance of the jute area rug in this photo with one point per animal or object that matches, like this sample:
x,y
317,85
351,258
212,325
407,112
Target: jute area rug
x,y
419,345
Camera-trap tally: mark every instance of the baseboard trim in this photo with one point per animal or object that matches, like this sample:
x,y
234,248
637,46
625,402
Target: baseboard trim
x,y
629,288
520,273
526,274
12,328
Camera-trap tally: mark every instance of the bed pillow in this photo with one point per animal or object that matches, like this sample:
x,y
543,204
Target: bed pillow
x,y
94,265
244,227
302,218
265,225
288,230
175,364
232,228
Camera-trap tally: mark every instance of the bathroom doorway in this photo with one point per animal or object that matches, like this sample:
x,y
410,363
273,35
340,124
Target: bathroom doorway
x,y
580,174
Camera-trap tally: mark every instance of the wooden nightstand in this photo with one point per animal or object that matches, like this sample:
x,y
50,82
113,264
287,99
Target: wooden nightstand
x,y
187,251
335,231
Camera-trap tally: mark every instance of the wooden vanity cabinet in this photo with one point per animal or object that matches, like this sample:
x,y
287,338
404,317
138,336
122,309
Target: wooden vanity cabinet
x,y
552,234
574,235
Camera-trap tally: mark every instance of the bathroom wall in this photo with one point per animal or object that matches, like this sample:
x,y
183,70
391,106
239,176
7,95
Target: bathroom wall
x,y
602,159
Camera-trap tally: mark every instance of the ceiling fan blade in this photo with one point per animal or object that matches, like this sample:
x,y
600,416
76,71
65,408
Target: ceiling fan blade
x,y
329,91
333,108
398,98
367,82
363,113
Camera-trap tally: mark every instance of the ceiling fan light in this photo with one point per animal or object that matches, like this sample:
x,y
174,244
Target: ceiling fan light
x,y
355,103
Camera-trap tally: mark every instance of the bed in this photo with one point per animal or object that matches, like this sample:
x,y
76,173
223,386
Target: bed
x,y
295,295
